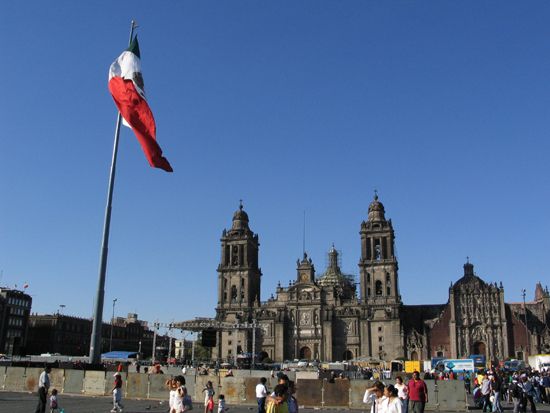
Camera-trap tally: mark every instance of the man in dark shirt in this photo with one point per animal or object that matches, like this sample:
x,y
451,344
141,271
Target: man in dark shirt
x,y
418,394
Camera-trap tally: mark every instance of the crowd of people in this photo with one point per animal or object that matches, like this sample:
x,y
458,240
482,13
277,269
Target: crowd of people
x,y
489,388
398,397
521,389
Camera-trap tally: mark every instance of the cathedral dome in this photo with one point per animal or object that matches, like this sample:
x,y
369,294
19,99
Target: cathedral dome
x,y
376,210
240,219
334,277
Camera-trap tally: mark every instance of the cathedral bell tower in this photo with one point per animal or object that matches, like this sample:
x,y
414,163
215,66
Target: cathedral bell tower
x,y
238,272
238,286
379,286
378,263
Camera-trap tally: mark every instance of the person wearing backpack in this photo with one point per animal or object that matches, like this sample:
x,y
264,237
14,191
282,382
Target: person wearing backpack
x,y
528,394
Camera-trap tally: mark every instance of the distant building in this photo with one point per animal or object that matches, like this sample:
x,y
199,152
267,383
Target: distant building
x,y
68,335
15,308
325,317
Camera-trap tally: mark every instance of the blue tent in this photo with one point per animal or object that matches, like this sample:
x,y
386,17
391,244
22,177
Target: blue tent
x,y
119,355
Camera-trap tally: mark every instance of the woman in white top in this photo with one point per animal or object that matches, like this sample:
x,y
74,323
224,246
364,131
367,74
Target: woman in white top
x,y
171,384
392,403
375,397
180,393
402,393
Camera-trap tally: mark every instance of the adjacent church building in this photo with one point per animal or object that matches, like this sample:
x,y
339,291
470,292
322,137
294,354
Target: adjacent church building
x,y
328,317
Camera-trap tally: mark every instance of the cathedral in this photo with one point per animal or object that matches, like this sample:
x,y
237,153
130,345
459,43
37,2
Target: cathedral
x,y
324,317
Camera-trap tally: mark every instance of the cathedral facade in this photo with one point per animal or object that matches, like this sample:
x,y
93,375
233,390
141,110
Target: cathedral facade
x,y
325,317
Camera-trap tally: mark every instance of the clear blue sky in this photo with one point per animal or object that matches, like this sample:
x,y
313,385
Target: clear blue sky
x,y
290,105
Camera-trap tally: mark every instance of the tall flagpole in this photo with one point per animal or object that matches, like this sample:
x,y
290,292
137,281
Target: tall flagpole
x,y
95,340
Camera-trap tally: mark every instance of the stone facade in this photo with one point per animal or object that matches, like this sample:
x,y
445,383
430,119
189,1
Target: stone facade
x,y
324,317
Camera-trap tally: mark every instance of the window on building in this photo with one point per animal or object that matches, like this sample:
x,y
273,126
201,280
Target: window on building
x,y
380,328
380,348
440,354
378,287
388,291
380,339
519,355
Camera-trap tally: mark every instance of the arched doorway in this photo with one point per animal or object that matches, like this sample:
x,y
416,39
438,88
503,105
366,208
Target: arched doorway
x,y
479,348
414,356
305,353
348,355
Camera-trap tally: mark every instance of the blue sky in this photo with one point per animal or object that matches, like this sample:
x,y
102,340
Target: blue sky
x,y
290,105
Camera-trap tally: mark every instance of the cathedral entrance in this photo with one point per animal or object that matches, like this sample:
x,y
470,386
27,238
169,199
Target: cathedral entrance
x,y
348,355
414,356
305,353
479,348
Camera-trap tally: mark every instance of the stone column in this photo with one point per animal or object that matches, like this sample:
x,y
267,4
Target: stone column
x,y
452,325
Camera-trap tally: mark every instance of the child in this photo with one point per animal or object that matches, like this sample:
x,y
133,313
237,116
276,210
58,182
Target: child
x,y
53,401
178,405
173,388
208,398
221,404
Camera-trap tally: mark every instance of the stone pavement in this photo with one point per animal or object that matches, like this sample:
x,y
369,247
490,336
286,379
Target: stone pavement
x,y
11,402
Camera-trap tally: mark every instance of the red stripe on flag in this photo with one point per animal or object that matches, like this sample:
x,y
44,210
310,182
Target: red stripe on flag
x,y
137,113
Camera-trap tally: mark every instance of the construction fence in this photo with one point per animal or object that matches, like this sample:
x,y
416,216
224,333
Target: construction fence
x,y
311,392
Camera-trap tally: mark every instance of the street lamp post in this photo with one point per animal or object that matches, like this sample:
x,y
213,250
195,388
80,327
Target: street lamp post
x,y
112,325
526,326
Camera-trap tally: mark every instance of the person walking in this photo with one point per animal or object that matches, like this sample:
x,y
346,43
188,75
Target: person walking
x,y
516,392
418,393
402,393
528,394
467,382
496,386
292,401
208,397
261,394
393,402
486,393
43,386
375,397
54,405
117,393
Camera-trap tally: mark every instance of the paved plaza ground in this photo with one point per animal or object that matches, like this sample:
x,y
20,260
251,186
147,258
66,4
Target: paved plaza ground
x,y
11,402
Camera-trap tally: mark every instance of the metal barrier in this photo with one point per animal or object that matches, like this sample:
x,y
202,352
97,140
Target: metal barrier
x,y
15,379
443,396
310,393
2,376
336,394
157,387
73,381
94,383
31,376
451,396
137,385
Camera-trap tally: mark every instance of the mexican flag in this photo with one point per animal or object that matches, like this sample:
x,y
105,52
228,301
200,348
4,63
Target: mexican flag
x,y
126,87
